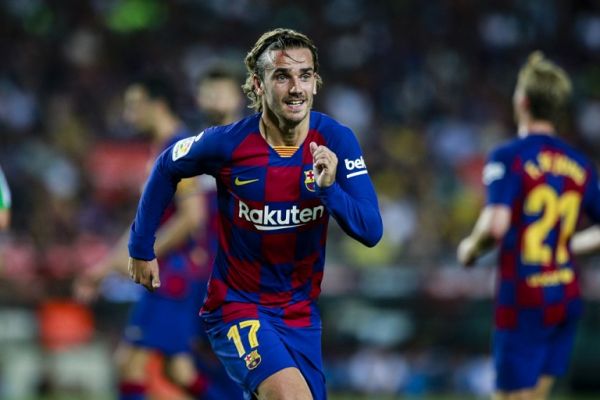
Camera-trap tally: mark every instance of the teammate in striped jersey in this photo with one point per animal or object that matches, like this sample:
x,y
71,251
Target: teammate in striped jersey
x,y
537,187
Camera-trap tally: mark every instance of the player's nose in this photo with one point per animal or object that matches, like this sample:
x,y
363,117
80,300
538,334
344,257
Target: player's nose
x,y
294,85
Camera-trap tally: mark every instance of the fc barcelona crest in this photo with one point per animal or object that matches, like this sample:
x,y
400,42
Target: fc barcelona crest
x,y
252,359
309,180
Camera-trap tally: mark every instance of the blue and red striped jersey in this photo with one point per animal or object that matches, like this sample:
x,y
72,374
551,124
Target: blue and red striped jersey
x,y
272,216
547,184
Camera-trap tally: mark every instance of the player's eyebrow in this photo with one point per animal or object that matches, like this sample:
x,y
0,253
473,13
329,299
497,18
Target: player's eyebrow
x,y
287,70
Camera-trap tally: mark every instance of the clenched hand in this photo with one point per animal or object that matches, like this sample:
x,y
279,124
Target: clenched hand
x,y
324,165
144,272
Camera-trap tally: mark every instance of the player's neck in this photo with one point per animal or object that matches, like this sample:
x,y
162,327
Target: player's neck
x,y
165,126
542,127
228,118
278,133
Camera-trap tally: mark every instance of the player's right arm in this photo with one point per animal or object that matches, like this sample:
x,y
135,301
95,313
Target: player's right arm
x,y
502,185
588,240
491,226
186,158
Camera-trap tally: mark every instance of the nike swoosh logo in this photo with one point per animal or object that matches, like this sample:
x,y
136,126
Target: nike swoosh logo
x,y
239,182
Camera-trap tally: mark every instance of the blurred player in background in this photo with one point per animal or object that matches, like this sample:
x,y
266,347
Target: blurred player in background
x,y
221,102
5,199
165,320
278,182
537,186
219,97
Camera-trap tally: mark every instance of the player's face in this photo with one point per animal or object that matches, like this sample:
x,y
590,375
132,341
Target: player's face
x,y
219,99
137,108
289,85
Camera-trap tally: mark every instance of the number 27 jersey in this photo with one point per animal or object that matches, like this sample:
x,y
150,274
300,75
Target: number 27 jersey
x,y
547,184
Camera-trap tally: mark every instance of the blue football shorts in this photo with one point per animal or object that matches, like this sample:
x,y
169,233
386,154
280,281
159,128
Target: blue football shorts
x,y
522,357
168,325
254,349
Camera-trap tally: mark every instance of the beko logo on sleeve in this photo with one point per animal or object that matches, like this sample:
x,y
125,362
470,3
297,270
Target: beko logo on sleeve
x,y
359,164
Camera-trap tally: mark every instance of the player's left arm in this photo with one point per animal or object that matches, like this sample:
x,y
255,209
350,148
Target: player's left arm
x,y
347,192
494,220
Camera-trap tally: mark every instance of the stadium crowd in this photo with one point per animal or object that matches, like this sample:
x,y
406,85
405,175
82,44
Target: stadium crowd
x,y
425,85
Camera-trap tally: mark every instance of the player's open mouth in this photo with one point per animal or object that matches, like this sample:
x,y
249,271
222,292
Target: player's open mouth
x,y
295,104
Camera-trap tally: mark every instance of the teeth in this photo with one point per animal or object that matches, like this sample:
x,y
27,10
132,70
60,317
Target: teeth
x,y
295,103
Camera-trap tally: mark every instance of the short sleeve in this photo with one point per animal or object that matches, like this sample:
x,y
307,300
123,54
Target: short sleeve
x,y
501,181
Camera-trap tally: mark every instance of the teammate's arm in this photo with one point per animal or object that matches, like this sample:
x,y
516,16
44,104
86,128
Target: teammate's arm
x,y
4,218
491,226
586,241
350,199
502,186
5,203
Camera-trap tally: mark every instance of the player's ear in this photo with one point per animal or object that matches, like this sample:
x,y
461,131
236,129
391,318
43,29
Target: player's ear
x,y
315,84
258,85
526,103
520,99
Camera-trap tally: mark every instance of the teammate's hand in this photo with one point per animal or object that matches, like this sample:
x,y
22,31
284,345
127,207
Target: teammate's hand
x,y
144,272
87,285
85,288
467,252
324,165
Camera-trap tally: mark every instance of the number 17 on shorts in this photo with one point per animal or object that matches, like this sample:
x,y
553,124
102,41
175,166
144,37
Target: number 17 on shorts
x,y
249,327
252,350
